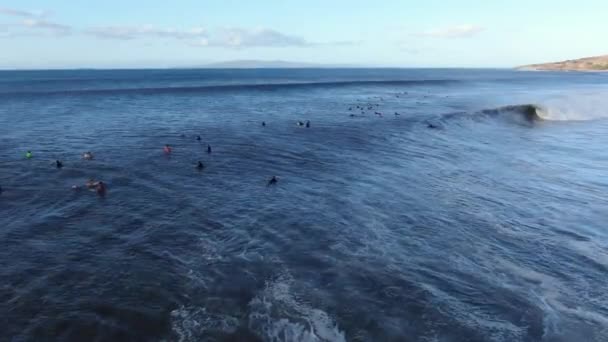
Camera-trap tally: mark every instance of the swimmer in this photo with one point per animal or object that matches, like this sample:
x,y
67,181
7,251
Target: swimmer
x,y
307,124
198,138
300,123
272,181
209,149
28,155
0,190
58,164
397,113
263,123
100,189
431,126
167,149
87,156
200,166
75,187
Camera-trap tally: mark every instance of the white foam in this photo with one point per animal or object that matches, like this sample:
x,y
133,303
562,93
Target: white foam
x,y
276,315
191,323
575,107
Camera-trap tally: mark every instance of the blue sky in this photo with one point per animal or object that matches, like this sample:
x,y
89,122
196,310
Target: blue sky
x,y
431,33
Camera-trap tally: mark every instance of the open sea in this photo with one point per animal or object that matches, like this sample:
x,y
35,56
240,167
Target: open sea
x,y
434,205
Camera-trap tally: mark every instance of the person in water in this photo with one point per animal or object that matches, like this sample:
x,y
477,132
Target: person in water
x,y
307,124
263,123
87,156
28,155
167,149
209,149
200,166
100,188
300,123
58,164
274,180
198,138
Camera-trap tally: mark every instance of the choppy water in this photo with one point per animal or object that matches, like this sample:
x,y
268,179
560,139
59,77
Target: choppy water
x,y
490,226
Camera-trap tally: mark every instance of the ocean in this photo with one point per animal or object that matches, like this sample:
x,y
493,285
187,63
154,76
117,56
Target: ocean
x,y
420,205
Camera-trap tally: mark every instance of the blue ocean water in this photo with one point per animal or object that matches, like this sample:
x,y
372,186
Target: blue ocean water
x,y
420,205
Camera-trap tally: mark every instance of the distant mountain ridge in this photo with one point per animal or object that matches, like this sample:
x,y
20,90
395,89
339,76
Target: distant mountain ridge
x,y
257,64
599,63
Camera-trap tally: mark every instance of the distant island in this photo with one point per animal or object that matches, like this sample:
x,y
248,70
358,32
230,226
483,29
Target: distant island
x,y
256,64
599,63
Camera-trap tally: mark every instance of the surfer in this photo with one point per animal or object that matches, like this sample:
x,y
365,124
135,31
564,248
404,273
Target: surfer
x,y
100,188
274,180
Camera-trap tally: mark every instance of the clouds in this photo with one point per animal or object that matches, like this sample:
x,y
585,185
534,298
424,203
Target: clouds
x,y
146,31
459,31
259,37
31,24
28,23
47,26
232,37
17,13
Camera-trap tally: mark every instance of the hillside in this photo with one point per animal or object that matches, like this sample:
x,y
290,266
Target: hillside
x,y
599,63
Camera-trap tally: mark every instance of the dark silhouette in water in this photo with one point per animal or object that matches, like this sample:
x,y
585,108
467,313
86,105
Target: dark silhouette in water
x,y
397,113
209,149
0,190
263,123
300,123
58,164
100,188
432,126
307,124
200,166
273,181
198,138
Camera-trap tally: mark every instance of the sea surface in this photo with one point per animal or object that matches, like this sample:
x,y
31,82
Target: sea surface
x,y
420,205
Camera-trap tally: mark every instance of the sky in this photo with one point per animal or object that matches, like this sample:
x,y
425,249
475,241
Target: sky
x,y
383,33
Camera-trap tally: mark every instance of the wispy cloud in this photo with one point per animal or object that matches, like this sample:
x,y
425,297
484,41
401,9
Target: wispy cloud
x,y
459,31
232,37
17,13
31,24
260,37
134,32
46,26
